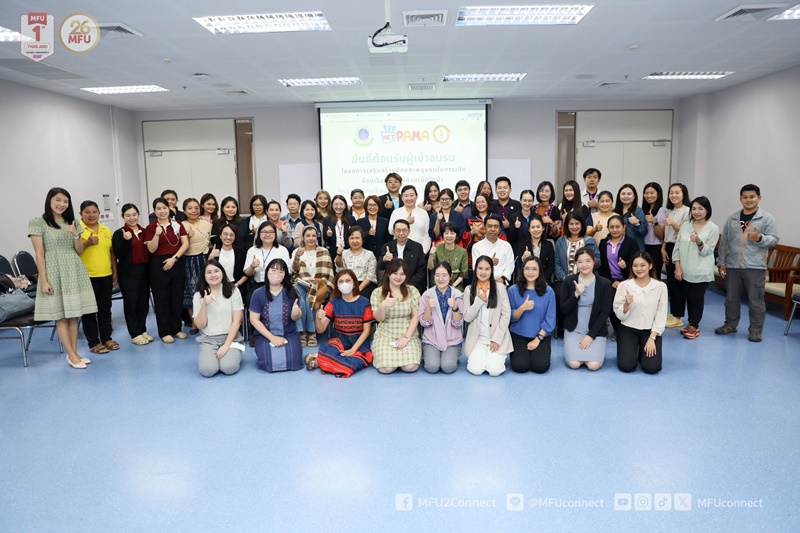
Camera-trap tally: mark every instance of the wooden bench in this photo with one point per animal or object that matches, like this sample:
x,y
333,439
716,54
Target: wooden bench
x,y
783,276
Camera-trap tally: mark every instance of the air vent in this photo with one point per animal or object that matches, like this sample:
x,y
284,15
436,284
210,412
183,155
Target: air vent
x,y
425,18
117,30
751,12
609,84
421,86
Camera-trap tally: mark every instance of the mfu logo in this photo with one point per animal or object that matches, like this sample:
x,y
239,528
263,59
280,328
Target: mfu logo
x,y
363,136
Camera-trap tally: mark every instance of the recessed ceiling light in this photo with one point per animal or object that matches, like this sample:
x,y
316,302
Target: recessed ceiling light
x,y
125,90
314,82
11,36
265,23
686,75
520,15
793,13
478,78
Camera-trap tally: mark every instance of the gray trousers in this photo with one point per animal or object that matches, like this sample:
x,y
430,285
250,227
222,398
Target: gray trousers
x,y
207,360
435,360
753,282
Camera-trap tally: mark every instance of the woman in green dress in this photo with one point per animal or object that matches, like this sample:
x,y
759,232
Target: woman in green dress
x,y
64,291
395,305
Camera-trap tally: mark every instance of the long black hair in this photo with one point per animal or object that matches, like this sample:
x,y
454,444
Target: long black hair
x,y
540,283
492,302
648,258
69,212
684,191
576,201
291,294
653,209
618,207
223,203
202,284
259,243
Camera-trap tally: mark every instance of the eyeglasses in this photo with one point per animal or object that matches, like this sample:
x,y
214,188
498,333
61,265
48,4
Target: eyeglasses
x,y
267,232
445,199
372,206
401,230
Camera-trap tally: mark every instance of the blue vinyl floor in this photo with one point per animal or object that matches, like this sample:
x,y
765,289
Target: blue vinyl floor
x,y
141,442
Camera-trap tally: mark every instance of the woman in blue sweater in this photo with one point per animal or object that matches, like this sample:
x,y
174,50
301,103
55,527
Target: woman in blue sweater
x,y
627,207
533,318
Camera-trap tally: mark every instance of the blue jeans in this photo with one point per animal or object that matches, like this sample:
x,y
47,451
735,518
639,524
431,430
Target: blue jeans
x,y
306,322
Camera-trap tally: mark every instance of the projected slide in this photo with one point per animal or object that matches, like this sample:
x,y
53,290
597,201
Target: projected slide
x,y
359,147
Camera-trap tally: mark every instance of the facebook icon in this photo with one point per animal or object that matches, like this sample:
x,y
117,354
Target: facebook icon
x,y
403,502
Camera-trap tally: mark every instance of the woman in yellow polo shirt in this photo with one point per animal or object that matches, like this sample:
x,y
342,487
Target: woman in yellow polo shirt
x,y
98,258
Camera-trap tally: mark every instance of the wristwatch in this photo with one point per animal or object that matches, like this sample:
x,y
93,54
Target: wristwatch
x,y
540,337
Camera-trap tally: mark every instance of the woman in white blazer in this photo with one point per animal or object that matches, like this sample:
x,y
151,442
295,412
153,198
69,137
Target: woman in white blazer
x,y
488,314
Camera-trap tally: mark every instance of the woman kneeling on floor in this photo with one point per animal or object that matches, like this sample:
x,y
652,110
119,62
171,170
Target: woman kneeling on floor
x,y
348,349
274,309
217,310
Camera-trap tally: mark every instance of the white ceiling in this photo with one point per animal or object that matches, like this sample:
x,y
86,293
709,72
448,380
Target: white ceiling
x,y
562,62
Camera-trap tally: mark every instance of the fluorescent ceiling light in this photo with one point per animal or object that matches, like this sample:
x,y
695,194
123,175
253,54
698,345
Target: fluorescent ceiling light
x,y
478,78
314,82
125,90
520,15
686,75
11,36
793,13
265,23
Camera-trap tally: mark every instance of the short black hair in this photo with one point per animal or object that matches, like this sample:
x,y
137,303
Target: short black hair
x,y
401,221
575,215
502,178
408,188
750,187
394,175
705,202
463,183
492,216
169,191
590,171
294,196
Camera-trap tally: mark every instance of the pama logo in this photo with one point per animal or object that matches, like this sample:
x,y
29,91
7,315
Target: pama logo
x,y
390,134
363,136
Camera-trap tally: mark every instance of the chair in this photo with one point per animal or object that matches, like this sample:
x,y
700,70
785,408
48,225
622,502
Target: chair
x,y
795,301
25,265
5,266
21,324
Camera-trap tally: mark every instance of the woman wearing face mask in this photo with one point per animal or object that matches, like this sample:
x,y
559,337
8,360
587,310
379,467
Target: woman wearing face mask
x,y
274,312
537,245
616,254
98,258
449,252
231,258
64,291
167,241
308,217
605,202
394,305
230,215
586,304
487,312
313,280
441,316
199,233
132,270
694,261
348,348
533,319
627,207
360,261
641,307
218,310
417,217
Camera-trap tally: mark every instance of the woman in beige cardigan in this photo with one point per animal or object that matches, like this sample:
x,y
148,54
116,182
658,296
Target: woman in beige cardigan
x,y
488,313
312,279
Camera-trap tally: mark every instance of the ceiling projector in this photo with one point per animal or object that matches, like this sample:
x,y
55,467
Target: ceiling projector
x,y
384,41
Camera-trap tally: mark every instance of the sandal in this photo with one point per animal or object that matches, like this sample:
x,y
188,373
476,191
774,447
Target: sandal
x,y
311,361
303,339
139,340
98,349
311,340
168,339
181,335
149,337
111,344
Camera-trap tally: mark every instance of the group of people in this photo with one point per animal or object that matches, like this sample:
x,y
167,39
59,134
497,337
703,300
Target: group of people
x,y
486,275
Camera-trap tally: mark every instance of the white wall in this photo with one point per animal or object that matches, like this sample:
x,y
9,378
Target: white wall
x,y
50,140
749,133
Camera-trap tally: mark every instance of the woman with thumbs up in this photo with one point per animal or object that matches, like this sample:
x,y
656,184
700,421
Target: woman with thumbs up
x,y
616,253
693,257
100,263
641,306
441,316
217,310
199,233
487,311
134,282
63,289
533,318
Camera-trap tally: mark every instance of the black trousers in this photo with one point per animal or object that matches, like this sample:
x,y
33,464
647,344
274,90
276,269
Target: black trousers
x,y
97,326
135,286
524,360
677,298
695,300
612,316
167,293
655,252
630,350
